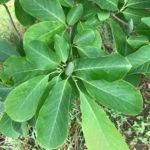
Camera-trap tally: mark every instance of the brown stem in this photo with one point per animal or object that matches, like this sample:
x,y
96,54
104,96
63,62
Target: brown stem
x,y
118,19
12,22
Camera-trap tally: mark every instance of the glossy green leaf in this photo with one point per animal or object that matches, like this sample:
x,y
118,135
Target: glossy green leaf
x,y
22,102
39,54
23,17
52,123
120,43
135,14
4,91
103,15
6,127
99,132
138,4
111,67
146,20
6,50
137,41
66,3
22,71
84,37
117,95
43,31
47,10
107,4
61,47
74,14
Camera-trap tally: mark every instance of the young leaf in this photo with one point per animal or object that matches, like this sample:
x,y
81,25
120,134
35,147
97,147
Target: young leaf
x,y
103,15
6,50
43,31
61,47
84,37
122,96
39,54
52,123
74,14
99,132
22,102
6,127
107,4
4,91
22,71
138,41
70,68
47,10
110,67
23,17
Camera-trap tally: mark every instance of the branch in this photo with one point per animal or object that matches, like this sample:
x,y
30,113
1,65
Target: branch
x,y
12,22
118,19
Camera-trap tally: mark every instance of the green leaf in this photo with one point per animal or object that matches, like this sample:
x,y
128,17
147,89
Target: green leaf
x,y
146,20
90,52
84,37
39,54
120,43
107,4
140,61
139,57
52,123
45,94
47,10
2,107
135,14
4,1
22,102
117,95
22,71
23,17
111,67
6,127
61,47
137,41
134,79
6,50
99,132
66,3
138,4
74,14
43,31
4,91
103,15
70,68
130,27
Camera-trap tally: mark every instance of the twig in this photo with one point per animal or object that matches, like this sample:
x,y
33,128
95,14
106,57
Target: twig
x,y
118,19
74,1
12,22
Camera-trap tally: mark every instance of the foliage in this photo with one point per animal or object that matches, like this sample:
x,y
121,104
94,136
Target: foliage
x,y
63,58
